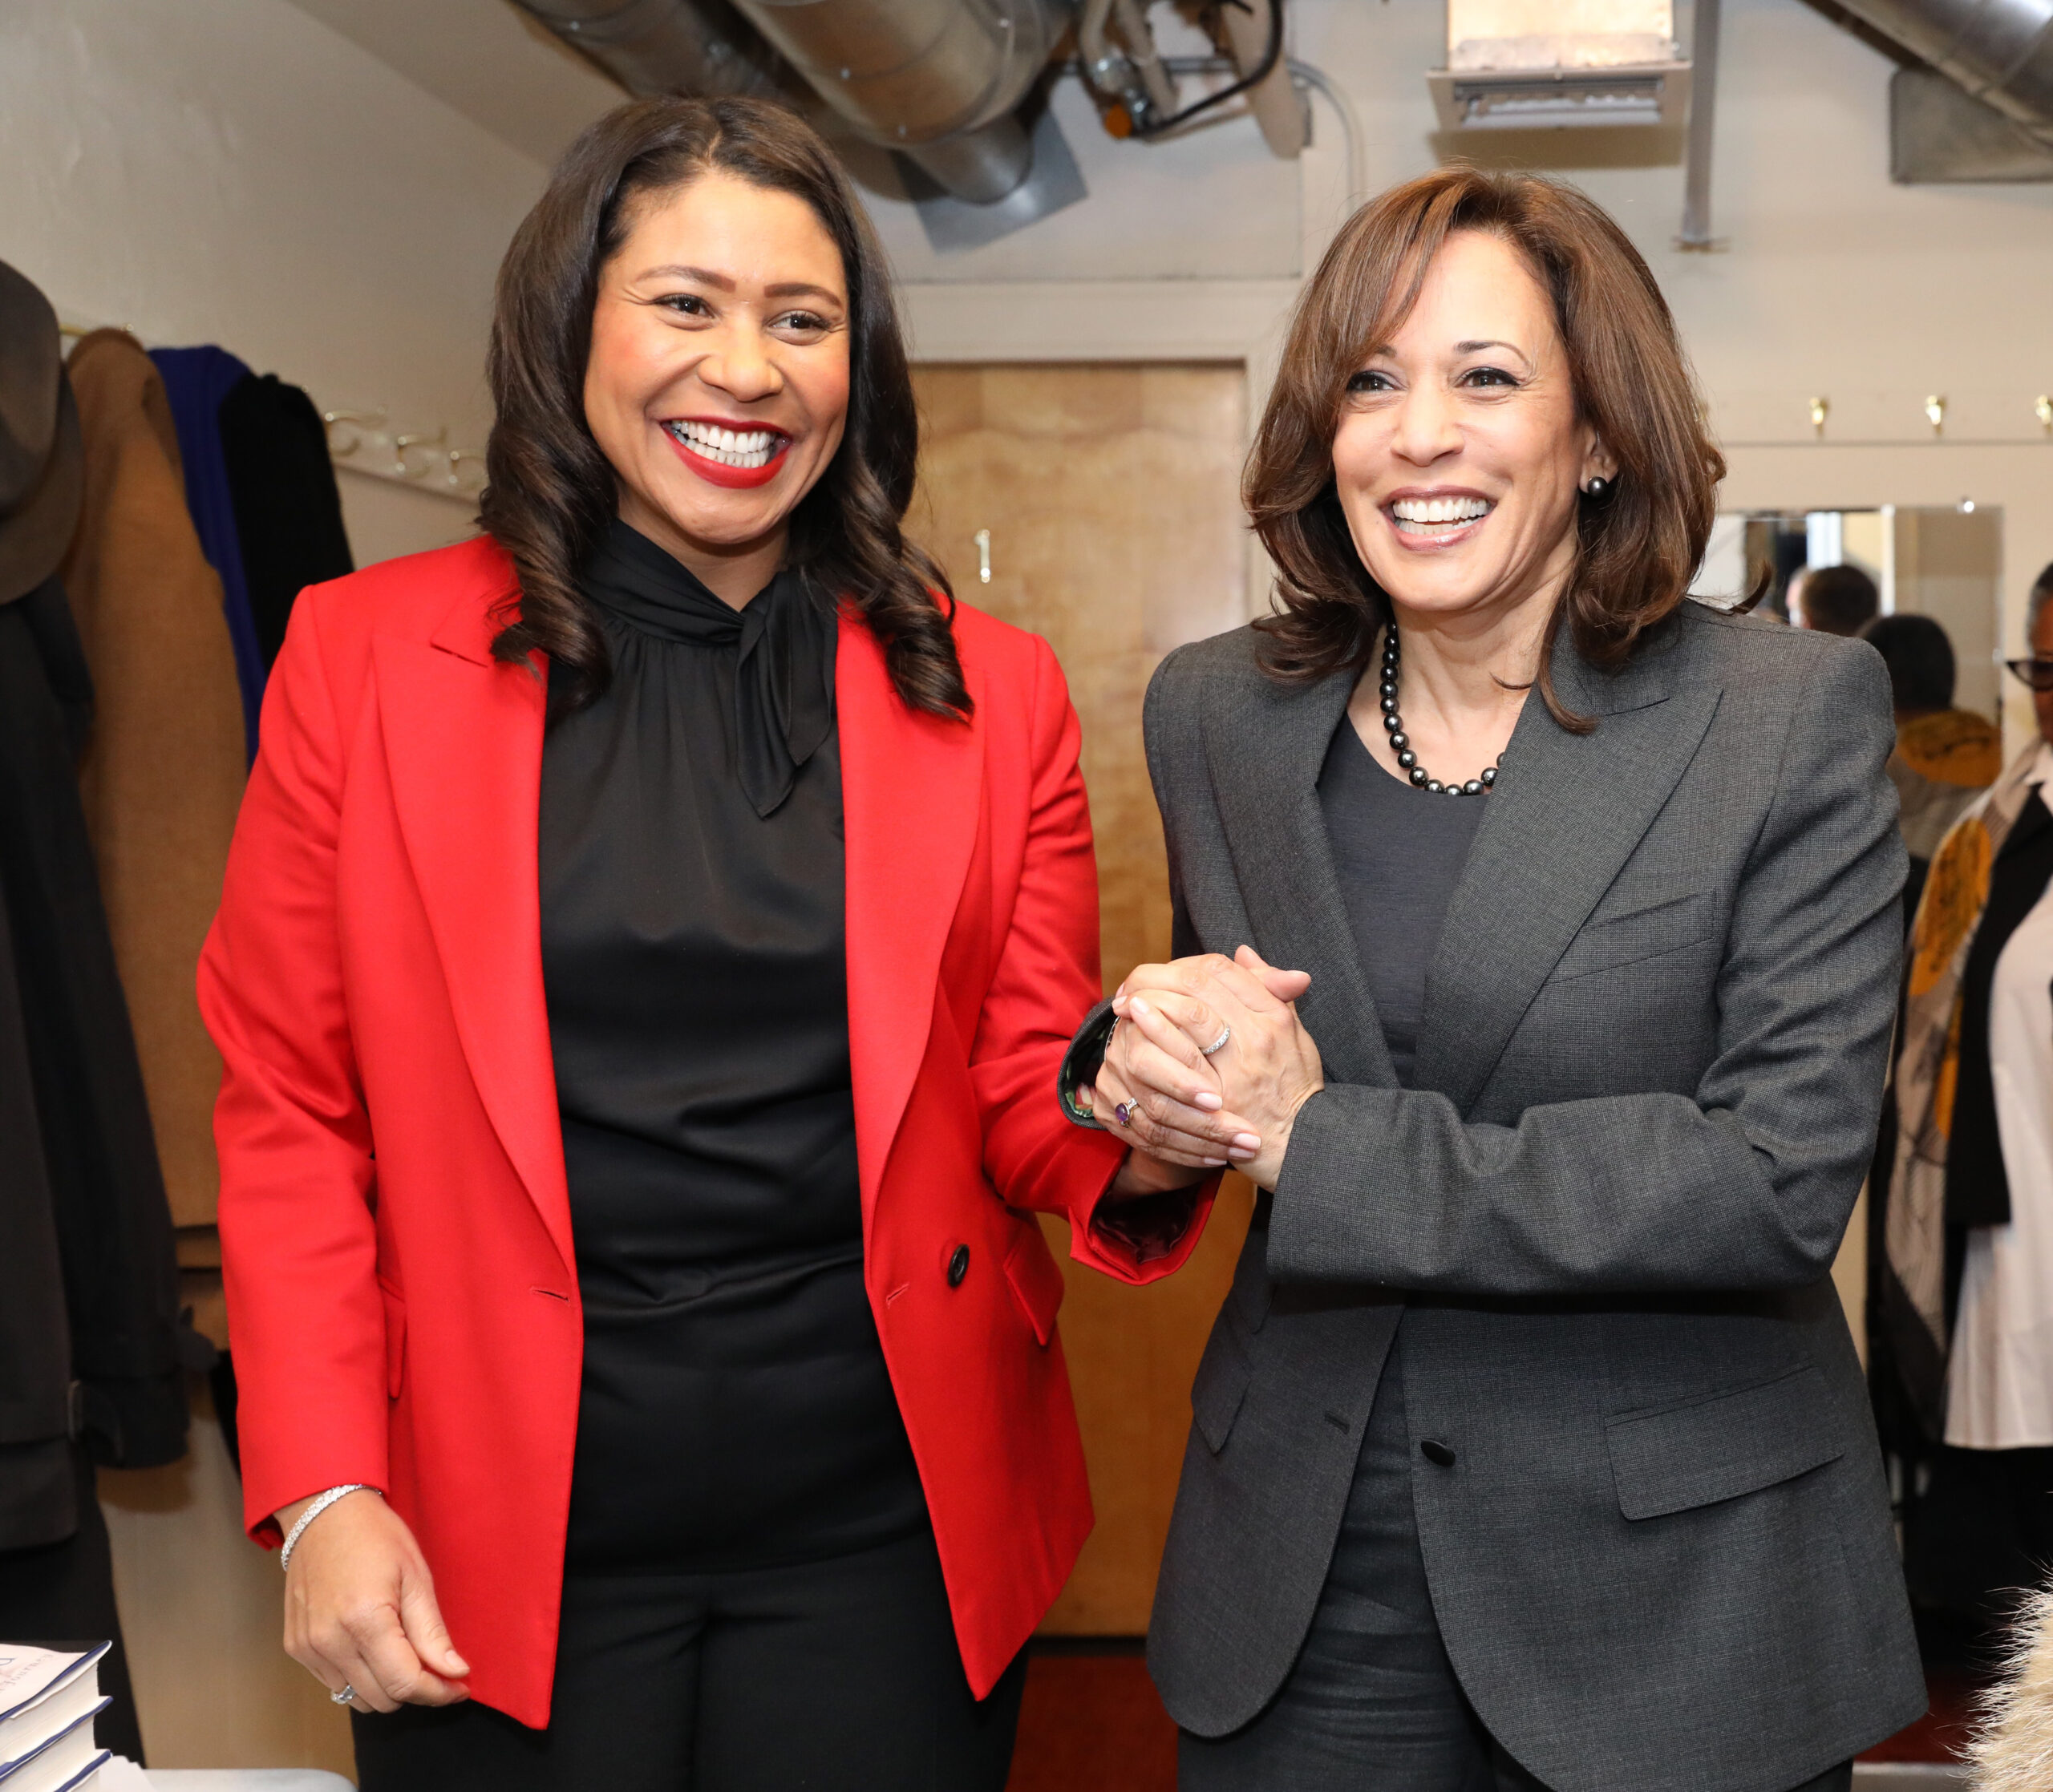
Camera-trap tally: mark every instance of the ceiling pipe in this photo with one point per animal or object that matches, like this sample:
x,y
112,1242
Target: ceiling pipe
x,y
2001,51
936,80
652,47
1704,106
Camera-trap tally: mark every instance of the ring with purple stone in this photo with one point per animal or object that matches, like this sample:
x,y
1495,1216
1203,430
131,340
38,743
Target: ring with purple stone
x,y
1123,1113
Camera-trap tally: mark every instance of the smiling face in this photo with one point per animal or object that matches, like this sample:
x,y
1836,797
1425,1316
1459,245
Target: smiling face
x,y
1459,450
718,381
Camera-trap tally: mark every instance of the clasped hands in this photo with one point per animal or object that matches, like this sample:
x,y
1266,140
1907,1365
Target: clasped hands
x,y
1236,1106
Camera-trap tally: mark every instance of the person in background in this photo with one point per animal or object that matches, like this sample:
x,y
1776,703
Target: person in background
x,y
649,944
1944,756
1834,600
1967,1289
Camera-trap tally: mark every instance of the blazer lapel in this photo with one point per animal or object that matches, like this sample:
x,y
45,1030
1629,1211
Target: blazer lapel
x,y
463,737
1566,814
1264,757
912,789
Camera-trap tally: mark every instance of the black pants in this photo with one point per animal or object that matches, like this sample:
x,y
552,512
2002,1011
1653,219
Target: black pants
x,y
1372,1703
840,1676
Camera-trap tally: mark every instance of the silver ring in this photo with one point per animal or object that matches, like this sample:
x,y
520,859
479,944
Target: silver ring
x,y
347,1696
1226,1032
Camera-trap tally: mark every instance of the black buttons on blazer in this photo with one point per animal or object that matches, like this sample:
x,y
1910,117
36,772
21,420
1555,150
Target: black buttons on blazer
x,y
1437,1453
958,1265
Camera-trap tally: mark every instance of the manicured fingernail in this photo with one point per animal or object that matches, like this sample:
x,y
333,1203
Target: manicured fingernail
x,y
1215,1164
1246,1142
1205,1099
1139,1005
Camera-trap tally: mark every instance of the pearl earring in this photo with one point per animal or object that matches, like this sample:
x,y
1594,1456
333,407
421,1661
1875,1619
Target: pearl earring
x,y
1597,487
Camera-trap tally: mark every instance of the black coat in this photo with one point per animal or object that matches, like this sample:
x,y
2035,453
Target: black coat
x,y
90,1340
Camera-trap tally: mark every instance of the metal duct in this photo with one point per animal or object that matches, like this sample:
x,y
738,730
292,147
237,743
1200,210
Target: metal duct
x,y
2001,51
652,47
938,80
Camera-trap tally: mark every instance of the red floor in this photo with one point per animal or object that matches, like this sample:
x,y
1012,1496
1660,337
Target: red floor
x,y
1092,1723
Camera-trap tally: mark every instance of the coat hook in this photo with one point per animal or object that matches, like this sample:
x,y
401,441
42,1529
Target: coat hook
x,y
1820,408
1935,412
353,423
983,538
2042,408
400,443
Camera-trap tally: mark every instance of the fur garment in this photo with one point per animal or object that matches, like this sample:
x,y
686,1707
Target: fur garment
x,y
2013,1751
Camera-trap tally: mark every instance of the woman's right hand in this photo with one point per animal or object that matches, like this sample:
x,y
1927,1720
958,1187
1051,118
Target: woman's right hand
x,y
360,1608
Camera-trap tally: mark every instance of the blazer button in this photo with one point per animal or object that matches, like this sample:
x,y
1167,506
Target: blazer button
x,y
1436,1453
958,1265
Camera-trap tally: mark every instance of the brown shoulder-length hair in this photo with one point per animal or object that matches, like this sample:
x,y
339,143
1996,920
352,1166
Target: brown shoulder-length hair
x,y
1640,544
550,493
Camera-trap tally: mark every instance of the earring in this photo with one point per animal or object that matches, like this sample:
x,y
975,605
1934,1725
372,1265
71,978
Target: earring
x,y
1597,487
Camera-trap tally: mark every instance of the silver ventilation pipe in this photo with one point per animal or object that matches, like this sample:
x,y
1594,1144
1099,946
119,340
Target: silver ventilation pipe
x,y
652,47
2001,51
936,80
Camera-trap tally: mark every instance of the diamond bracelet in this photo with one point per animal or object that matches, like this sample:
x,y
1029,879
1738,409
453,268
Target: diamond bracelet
x,y
313,1512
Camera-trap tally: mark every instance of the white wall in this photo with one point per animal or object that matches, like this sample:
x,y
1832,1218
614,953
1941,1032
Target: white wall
x,y
232,172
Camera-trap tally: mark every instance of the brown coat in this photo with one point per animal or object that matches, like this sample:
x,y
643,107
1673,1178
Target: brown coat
x,y
163,776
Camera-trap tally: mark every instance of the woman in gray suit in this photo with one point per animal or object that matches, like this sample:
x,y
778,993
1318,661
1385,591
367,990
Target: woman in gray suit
x,y
1531,1447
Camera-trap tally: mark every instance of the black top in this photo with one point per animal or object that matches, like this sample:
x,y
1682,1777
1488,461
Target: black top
x,y
1400,852
736,1409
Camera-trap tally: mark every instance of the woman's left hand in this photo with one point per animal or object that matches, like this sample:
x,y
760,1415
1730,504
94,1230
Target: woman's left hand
x,y
1241,1101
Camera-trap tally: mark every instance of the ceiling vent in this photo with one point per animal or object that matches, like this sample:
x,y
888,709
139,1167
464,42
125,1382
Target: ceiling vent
x,y
1545,64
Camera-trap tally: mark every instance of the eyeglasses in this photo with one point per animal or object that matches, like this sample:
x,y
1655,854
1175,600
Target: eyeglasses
x,y
2038,673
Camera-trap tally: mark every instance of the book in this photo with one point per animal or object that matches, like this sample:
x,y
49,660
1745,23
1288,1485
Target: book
x,y
66,1761
48,1700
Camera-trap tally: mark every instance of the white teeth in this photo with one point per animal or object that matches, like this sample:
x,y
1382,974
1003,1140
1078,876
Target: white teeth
x,y
1440,511
746,448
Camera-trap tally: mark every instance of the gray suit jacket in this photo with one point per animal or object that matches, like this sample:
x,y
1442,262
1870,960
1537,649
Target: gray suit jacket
x,y
1649,1076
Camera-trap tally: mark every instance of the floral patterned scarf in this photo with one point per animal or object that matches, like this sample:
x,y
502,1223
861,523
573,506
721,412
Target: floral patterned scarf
x,y
1928,1068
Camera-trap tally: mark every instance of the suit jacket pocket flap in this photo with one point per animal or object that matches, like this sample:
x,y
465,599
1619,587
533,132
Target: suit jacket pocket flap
x,y
1036,1280
1610,944
1723,1445
1221,1383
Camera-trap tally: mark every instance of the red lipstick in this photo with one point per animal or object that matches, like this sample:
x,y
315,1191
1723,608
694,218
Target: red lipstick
x,y
719,473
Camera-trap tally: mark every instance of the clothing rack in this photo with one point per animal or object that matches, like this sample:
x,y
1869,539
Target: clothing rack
x,y
365,440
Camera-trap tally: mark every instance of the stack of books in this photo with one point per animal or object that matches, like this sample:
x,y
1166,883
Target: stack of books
x,y
48,1700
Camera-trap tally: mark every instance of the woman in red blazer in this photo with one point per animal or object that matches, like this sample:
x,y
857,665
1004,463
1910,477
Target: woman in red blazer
x,y
642,981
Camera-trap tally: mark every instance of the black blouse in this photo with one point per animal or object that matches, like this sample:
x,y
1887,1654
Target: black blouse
x,y
736,1409
1399,853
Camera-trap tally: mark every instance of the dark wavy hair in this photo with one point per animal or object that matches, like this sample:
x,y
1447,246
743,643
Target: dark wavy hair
x,y
1639,545
550,493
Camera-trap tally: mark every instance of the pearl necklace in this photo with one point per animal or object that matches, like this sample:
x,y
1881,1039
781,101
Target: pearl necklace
x,y
1400,742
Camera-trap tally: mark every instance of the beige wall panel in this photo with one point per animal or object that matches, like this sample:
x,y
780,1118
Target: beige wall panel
x,y
1109,493
202,1612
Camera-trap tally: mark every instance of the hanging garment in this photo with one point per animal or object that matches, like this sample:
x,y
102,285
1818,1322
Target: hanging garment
x,y
164,772
1999,1373
1912,1276
287,512
113,1228
38,1499
196,381
83,1276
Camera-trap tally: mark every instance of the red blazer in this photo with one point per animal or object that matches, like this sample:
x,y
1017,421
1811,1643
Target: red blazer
x,y
401,1288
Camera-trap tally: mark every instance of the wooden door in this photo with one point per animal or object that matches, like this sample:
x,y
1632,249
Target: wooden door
x,y
1105,498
